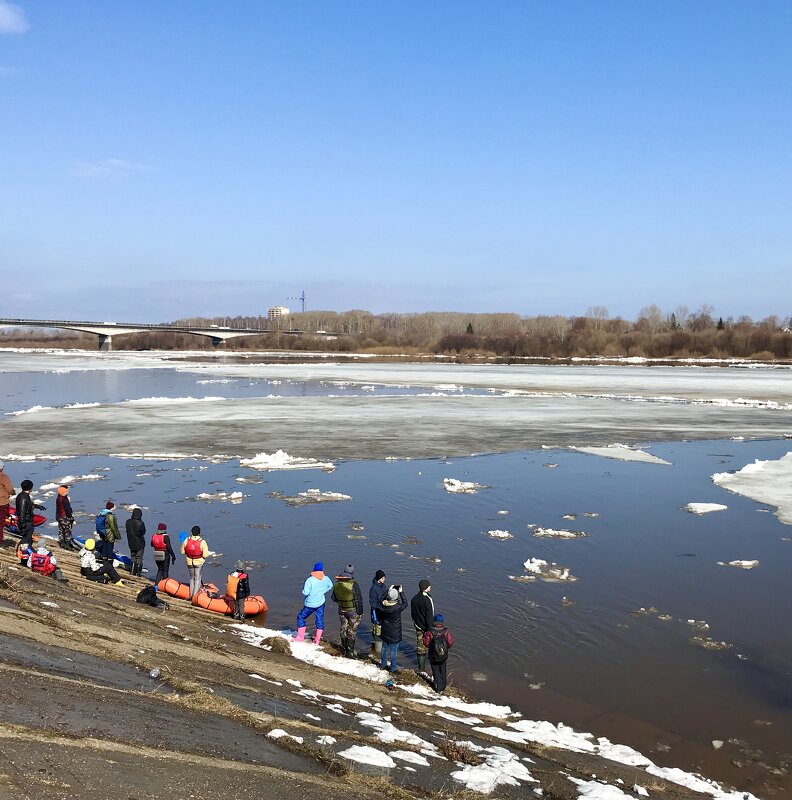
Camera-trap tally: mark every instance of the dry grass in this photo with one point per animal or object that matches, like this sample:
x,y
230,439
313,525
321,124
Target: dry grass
x,y
454,750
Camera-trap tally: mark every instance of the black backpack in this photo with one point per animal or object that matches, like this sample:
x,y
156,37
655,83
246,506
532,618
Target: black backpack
x,y
148,596
439,644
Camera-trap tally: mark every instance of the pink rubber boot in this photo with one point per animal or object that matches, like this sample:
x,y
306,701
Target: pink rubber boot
x,y
318,637
300,637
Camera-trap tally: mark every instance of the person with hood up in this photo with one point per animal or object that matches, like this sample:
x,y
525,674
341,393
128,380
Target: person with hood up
x,y
65,519
391,620
377,593
347,594
107,530
316,586
6,492
422,611
438,641
195,550
238,589
24,512
163,552
42,561
93,570
136,539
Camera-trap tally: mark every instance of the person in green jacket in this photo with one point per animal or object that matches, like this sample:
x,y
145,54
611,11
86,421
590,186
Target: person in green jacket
x,y
347,594
111,532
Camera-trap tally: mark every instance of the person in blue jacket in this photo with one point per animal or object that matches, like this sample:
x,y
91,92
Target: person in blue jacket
x,y
316,587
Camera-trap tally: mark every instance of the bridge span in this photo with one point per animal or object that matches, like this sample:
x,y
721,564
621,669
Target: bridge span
x,y
106,330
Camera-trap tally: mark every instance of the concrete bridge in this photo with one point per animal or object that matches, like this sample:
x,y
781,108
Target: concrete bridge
x,y
106,330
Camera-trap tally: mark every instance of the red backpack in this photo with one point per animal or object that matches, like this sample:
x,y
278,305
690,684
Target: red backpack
x,y
193,548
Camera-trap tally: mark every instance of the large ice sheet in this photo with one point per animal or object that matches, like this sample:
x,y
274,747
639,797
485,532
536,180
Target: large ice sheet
x,y
764,481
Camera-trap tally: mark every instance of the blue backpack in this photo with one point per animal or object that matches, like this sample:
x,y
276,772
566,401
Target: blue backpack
x,y
101,525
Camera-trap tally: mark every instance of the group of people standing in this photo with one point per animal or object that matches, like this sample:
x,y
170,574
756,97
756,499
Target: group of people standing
x,y
387,604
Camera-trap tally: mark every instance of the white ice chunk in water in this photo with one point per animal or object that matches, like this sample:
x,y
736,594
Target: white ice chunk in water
x,y
499,534
280,459
704,508
622,452
461,487
739,563
764,481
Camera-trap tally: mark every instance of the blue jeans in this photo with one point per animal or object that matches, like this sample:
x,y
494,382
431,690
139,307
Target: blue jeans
x,y
391,649
306,612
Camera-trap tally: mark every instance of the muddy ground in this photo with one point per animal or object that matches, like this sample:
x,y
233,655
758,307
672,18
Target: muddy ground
x,y
81,716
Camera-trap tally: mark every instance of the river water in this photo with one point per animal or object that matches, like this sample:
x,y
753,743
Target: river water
x,y
709,658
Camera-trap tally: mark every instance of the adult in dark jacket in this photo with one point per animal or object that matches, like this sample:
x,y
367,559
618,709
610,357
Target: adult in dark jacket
x,y
377,593
422,610
390,618
136,538
24,513
347,594
438,651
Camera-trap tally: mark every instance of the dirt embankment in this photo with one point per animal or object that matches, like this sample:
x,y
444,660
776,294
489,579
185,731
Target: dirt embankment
x,y
81,716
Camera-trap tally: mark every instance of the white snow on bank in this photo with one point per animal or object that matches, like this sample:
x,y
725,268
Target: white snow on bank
x,y
553,533
499,535
594,790
704,508
410,757
500,768
739,564
368,755
162,401
388,733
622,452
280,459
764,481
279,733
34,409
461,487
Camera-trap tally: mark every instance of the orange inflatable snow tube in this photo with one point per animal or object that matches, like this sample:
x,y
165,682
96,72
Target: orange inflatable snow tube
x,y
254,604
174,588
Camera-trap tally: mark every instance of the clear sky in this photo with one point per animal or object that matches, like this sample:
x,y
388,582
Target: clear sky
x,y
166,159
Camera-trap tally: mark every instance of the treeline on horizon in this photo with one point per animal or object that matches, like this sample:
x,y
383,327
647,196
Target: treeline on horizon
x,y
653,334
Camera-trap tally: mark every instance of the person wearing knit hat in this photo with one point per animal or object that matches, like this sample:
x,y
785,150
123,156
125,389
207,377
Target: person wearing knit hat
x,y
316,586
6,492
438,641
390,615
107,530
24,512
347,594
136,539
422,610
377,593
163,552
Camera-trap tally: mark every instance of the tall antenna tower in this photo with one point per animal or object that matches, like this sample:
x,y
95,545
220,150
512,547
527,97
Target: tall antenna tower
x,y
301,298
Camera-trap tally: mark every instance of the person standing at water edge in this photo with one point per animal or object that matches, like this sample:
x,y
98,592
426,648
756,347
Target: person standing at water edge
x,y
347,594
422,610
238,589
136,538
107,530
438,641
65,518
391,615
24,513
377,593
314,590
163,552
196,551
6,490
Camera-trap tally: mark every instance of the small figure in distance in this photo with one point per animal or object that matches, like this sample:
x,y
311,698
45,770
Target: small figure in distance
x,y
195,551
391,616
316,586
93,570
438,641
238,589
136,539
65,518
24,513
422,611
43,562
377,593
347,594
163,552
6,493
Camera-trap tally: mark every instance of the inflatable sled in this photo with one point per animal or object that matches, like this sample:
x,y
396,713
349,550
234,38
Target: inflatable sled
x,y
10,522
208,598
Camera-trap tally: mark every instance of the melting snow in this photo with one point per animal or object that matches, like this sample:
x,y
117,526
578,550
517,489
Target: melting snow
x,y
556,533
461,487
280,459
500,767
368,755
409,757
764,481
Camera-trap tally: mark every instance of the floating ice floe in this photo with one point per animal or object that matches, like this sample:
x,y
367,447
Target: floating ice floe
x,y
704,508
764,481
739,563
499,535
553,533
68,480
225,497
543,570
368,755
35,409
622,452
311,496
462,487
280,459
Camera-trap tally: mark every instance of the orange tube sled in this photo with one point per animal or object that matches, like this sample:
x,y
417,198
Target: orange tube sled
x,y
254,604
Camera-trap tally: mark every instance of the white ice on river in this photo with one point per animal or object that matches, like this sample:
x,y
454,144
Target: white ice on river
x,y
764,481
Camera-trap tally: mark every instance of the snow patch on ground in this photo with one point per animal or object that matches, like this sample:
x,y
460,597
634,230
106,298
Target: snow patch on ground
x,y
280,459
368,755
500,768
410,757
279,733
704,508
764,481
622,452
594,790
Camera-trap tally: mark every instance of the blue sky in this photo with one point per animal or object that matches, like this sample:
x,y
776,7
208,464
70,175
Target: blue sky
x,y
168,159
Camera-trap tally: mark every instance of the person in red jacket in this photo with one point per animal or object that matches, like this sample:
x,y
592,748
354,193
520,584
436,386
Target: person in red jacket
x,y
65,517
438,641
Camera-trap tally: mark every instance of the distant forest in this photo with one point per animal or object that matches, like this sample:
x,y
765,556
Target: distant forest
x,y
654,334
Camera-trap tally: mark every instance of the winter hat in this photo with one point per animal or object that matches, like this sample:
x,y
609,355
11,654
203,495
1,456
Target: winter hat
x,y
379,575
26,485
109,505
239,566
318,567
349,570
195,530
162,527
90,544
63,490
439,618
423,585
393,594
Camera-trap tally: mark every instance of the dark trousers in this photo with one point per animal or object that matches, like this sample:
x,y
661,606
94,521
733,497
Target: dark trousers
x,y
137,561
439,675
3,514
106,549
163,568
99,574
25,534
